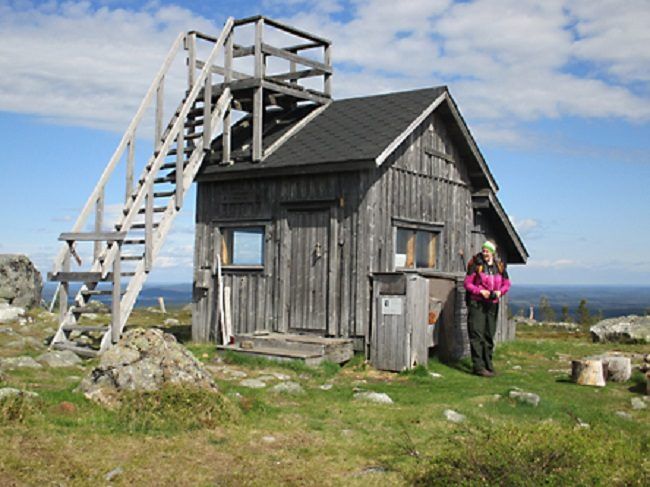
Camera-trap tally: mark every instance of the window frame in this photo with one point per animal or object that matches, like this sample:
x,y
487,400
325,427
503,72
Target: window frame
x,y
417,227
224,242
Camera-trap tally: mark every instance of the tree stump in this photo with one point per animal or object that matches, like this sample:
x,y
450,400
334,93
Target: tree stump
x,y
588,372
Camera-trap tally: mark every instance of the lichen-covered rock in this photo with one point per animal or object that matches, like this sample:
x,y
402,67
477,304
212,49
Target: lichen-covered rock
x,y
59,358
19,363
143,360
20,282
525,397
624,329
10,313
376,397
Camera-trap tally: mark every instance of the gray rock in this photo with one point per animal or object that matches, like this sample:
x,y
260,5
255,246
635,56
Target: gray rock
x,y
619,369
525,397
11,391
20,282
453,416
638,403
325,387
280,376
113,474
625,329
7,330
435,375
143,360
235,374
25,342
10,313
376,397
268,439
20,362
288,387
172,322
266,378
59,358
624,415
253,383
95,307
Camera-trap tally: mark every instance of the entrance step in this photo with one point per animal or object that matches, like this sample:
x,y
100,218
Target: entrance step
x,y
311,349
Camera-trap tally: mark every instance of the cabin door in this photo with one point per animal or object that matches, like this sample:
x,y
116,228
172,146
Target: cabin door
x,y
308,270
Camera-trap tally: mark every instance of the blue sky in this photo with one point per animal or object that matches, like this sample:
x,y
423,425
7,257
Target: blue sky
x,y
556,93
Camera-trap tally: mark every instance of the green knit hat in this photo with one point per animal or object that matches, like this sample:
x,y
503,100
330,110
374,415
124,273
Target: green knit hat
x,y
490,246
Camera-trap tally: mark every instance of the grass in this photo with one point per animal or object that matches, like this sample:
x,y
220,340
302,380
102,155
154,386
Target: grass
x,y
247,436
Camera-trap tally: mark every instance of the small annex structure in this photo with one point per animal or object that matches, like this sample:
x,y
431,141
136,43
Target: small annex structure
x,y
304,204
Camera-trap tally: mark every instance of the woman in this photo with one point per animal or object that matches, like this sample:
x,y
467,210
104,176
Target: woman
x,y
485,283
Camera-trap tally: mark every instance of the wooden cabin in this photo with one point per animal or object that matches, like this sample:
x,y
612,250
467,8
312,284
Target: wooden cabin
x,y
392,183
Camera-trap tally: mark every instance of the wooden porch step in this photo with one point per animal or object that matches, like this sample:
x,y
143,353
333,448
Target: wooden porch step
x,y
279,354
81,351
337,350
77,277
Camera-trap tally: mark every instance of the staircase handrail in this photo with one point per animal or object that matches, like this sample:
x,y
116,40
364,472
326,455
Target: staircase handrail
x,y
119,151
199,83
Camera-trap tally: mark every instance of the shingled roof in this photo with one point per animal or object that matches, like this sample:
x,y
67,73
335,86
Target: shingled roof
x,y
353,129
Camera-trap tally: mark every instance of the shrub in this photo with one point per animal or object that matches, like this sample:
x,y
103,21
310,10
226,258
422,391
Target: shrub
x,y
17,408
175,408
543,454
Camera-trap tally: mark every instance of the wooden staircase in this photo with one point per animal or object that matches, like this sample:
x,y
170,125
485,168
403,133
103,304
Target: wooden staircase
x,y
123,256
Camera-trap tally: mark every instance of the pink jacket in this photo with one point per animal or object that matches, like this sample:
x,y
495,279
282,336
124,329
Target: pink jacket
x,y
478,280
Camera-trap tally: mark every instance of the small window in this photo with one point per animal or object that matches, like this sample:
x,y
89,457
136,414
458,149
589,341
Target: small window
x,y
415,249
242,246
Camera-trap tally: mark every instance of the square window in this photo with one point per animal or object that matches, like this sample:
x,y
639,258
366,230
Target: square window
x,y
415,249
242,246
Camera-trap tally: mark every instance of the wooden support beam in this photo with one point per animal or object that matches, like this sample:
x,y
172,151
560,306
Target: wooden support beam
x,y
328,77
293,75
207,111
64,290
92,236
258,107
289,56
241,51
226,136
295,91
117,296
302,47
190,46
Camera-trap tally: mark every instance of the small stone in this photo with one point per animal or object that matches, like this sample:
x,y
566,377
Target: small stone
x,y
453,416
624,415
435,375
266,378
280,376
268,439
525,397
516,367
113,474
12,391
20,362
10,313
638,403
59,358
7,330
288,387
376,397
325,387
253,384
235,374
171,322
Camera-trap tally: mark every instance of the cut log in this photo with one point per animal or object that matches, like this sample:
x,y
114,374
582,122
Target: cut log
x,y
588,372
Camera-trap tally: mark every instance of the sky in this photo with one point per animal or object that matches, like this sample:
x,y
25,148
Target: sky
x,y
556,94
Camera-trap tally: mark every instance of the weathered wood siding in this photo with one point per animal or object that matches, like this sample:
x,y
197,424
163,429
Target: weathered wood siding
x,y
425,180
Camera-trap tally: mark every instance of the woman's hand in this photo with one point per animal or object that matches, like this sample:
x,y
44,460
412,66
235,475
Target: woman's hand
x,y
485,293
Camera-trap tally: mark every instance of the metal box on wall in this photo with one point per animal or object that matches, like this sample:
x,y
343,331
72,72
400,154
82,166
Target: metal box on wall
x,y
399,337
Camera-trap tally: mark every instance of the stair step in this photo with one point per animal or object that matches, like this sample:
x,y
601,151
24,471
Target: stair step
x,y
156,209
140,226
81,351
76,277
171,165
163,179
132,257
134,241
83,309
195,135
86,328
164,194
98,292
173,152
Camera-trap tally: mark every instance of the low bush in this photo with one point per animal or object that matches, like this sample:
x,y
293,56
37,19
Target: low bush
x,y
543,454
173,409
18,408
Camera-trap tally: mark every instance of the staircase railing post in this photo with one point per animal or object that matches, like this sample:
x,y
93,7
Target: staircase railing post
x,y
148,229
64,291
190,45
116,295
130,168
227,121
258,95
160,102
207,111
328,76
180,160
99,222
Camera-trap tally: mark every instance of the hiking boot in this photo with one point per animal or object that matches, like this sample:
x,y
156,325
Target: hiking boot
x,y
484,373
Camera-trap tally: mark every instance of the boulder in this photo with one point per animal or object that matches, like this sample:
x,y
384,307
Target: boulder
x,y
143,360
624,329
377,397
20,282
10,313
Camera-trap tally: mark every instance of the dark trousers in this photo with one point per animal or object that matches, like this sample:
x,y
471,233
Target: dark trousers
x,y
482,325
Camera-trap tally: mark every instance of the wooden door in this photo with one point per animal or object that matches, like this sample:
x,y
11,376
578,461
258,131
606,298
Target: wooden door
x,y
308,270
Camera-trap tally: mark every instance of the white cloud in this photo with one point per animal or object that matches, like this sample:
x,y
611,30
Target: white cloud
x,y
525,226
553,263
